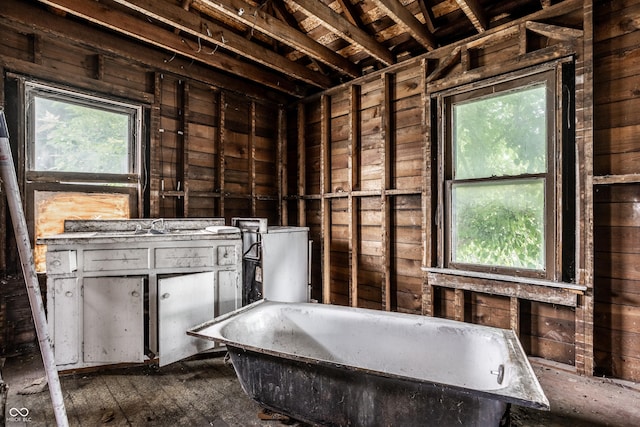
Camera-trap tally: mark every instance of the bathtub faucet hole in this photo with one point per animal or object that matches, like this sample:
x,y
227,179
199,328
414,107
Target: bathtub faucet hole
x,y
499,373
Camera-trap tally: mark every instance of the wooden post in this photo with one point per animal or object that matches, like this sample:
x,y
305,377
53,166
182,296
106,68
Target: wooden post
x,y
325,186
353,164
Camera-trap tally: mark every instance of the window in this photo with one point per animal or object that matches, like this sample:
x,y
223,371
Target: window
x,y
75,133
82,159
501,176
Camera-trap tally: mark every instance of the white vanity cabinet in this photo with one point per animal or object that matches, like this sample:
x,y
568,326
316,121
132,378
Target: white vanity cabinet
x,y
118,297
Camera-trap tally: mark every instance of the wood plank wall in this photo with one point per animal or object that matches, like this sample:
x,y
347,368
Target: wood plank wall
x,y
215,143
369,191
617,179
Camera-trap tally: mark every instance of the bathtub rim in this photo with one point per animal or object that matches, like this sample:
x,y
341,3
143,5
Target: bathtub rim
x,y
523,390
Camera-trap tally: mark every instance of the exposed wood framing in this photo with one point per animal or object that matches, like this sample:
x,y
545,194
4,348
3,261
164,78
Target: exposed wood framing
x,y
475,13
221,152
396,11
325,187
585,261
126,24
343,28
387,135
353,163
281,167
280,31
209,31
154,140
427,202
554,31
302,163
252,156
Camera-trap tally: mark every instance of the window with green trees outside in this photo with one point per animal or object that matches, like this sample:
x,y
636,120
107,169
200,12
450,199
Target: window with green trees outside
x,y
500,176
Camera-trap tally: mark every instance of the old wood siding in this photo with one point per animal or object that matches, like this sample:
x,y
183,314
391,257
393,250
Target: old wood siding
x,y
617,179
371,161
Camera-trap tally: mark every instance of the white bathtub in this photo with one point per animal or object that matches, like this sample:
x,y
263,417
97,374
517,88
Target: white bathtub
x,y
334,365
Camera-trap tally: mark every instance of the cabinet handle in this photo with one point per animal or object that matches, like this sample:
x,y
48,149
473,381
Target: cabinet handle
x,y
165,296
135,294
56,263
68,294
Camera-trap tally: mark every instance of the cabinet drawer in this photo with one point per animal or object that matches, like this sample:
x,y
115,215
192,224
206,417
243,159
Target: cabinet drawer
x,y
227,255
116,259
61,262
184,257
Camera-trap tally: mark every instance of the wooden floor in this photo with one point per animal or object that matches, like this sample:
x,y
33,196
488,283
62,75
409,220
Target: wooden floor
x,y
206,393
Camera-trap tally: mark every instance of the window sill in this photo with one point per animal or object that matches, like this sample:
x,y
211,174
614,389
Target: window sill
x,y
520,287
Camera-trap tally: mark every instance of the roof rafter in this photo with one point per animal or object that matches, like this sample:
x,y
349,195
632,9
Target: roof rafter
x,y
475,13
339,25
280,31
123,23
404,18
211,32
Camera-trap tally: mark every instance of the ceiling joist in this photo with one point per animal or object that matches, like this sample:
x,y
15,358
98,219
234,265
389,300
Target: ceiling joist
x,y
340,26
405,19
249,15
209,31
123,23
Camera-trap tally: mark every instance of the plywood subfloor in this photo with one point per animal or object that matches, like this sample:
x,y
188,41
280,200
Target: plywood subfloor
x,y
206,393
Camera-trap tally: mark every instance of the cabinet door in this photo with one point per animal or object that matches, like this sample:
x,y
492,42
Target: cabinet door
x,y
184,302
113,319
66,320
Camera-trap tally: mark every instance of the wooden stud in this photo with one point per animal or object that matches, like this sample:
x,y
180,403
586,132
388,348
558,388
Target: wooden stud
x,y
222,108
325,187
585,264
458,304
386,183
252,156
426,193
302,160
281,167
514,315
353,164
155,149
186,112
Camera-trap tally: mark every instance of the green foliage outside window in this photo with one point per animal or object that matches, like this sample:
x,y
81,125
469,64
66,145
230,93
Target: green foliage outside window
x,y
75,138
502,141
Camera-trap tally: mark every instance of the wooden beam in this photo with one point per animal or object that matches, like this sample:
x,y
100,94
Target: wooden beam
x,y
25,17
280,31
147,32
350,13
252,156
302,160
452,58
427,13
514,314
325,185
337,24
222,114
554,32
475,13
388,82
353,164
405,19
282,166
211,32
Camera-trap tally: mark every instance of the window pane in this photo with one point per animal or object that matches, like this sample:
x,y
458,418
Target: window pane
x,y
499,224
501,135
75,138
